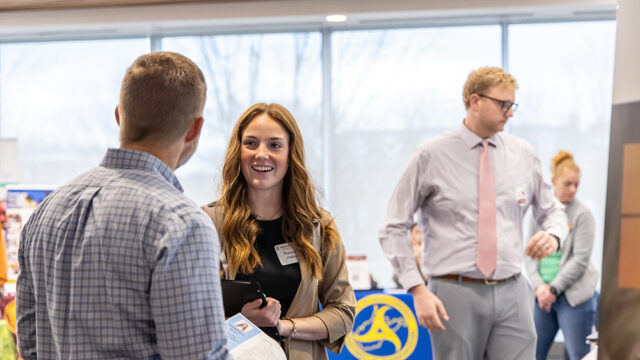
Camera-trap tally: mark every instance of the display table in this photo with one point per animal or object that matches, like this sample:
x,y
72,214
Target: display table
x,y
385,327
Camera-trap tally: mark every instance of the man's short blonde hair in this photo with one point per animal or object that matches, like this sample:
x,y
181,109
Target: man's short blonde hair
x,y
161,94
484,78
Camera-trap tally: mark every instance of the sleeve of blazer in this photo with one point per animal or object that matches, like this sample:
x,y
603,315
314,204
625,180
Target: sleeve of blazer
x,y
578,260
337,299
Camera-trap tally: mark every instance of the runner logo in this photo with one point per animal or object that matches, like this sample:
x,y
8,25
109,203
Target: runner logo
x,y
384,328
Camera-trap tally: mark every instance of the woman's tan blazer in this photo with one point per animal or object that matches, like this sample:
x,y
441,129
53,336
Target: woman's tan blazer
x,y
334,292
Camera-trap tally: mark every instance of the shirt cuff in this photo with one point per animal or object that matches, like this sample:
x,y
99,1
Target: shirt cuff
x,y
557,240
410,279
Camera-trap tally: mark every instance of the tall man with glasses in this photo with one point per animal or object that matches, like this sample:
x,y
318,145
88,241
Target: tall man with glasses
x,y
470,189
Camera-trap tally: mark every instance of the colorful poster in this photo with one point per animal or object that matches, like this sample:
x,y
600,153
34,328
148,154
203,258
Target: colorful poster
x,y
21,201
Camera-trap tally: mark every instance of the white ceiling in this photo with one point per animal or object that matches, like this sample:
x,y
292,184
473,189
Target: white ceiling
x,y
287,14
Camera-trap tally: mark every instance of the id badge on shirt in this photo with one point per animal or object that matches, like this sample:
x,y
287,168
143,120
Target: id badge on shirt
x,y
286,254
521,196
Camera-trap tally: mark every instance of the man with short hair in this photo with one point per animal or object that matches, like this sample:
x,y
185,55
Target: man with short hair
x,y
471,188
118,263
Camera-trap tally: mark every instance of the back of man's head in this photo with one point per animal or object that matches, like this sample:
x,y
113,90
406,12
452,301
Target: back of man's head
x,y
161,94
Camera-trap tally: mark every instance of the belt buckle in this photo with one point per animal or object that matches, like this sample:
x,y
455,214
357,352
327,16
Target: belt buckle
x,y
490,282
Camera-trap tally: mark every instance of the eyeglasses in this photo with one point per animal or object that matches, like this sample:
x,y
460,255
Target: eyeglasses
x,y
504,105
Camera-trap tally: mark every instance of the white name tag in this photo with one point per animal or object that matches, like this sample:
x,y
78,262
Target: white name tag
x,y
521,196
286,254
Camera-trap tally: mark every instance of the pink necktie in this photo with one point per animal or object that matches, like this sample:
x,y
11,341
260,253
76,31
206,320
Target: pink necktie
x,y
486,257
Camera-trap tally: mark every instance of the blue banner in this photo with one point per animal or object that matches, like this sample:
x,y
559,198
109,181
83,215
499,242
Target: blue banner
x,y
386,328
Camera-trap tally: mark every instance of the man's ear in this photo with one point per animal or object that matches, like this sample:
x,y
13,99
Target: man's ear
x,y
194,129
117,113
473,101
553,181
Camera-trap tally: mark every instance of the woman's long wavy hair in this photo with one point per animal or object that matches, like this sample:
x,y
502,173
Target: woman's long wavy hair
x,y
299,204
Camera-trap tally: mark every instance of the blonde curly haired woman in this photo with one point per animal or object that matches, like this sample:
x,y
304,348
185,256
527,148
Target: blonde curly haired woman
x,y
273,231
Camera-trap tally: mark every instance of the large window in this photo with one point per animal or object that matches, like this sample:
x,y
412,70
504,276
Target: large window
x,y
565,73
58,100
388,91
392,90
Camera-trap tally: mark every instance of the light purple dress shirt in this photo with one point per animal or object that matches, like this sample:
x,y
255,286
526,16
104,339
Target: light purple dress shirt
x,y
440,185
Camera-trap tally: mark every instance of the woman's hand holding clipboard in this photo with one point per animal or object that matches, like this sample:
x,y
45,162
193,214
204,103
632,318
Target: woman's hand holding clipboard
x,y
236,293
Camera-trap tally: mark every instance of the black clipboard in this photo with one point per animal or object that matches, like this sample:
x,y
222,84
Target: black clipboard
x,y
236,293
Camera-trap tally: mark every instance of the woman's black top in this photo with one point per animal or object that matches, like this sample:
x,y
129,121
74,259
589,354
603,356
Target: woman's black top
x,y
277,281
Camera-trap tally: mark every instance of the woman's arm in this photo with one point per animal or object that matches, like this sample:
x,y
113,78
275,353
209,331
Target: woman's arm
x,y
574,267
337,297
335,320
310,328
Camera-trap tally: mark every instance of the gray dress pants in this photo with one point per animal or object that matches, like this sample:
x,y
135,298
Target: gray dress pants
x,y
493,322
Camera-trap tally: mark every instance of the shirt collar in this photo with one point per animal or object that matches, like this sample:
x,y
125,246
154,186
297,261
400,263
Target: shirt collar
x,y
471,139
139,160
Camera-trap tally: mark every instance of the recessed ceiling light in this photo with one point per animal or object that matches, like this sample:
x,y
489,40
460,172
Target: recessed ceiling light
x,y
336,18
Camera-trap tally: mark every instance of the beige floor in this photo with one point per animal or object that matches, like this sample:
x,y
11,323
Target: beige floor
x,y
556,352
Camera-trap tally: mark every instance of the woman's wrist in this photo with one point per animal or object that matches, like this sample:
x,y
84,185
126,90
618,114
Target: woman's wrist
x,y
541,286
542,289
289,330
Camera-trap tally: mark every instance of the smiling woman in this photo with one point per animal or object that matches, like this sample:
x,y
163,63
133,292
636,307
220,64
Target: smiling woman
x,y
273,231
264,155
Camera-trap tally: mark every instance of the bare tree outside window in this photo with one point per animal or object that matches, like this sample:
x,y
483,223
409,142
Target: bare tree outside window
x,y
241,70
393,90
58,99
565,72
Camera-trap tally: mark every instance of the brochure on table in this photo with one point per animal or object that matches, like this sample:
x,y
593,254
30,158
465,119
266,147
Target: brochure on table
x,y
247,342
359,275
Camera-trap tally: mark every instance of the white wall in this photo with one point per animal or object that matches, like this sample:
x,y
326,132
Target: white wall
x,y
626,74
